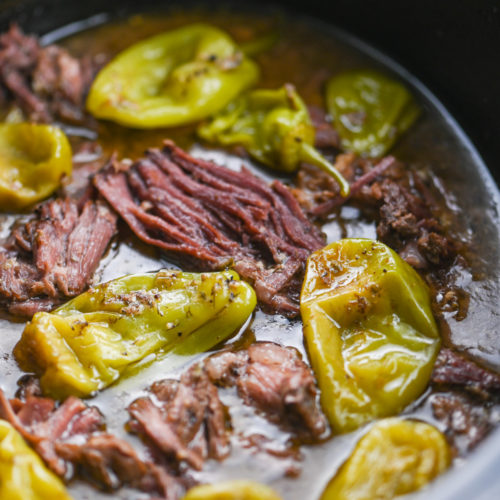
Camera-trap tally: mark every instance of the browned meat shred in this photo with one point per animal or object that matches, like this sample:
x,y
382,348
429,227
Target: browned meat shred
x,y
216,216
70,439
276,381
88,159
455,369
396,197
466,422
326,137
42,424
46,83
53,255
185,420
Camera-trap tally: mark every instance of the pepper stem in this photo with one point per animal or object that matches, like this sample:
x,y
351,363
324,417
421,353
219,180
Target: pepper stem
x,y
309,154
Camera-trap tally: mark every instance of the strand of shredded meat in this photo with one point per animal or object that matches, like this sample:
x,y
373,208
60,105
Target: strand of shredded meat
x,y
454,369
185,420
218,217
70,439
46,83
399,199
54,254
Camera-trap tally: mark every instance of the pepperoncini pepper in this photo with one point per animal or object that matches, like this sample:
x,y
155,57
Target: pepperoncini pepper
x,y
172,79
33,160
370,110
232,490
369,328
89,342
274,127
394,458
23,475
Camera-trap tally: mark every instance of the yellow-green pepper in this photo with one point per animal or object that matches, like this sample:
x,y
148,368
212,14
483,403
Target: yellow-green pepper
x,y
370,110
89,342
23,475
394,458
171,79
238,489
369,328
33,160
275,128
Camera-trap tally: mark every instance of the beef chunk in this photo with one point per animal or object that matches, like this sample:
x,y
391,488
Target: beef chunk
x,y
466,421
276,381
112,462
43,423
88,159
326,136
185,420
70,439
53,255
455,369
215,217
46,83
398,199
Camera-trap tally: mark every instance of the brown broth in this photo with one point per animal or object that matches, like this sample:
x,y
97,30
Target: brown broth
x,y
305,55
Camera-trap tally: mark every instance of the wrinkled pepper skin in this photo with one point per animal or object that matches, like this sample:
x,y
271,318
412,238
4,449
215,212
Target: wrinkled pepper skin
x,y
33,161
171,79
370,110
89,342
232,490
274,127
23,475
394,458
369,329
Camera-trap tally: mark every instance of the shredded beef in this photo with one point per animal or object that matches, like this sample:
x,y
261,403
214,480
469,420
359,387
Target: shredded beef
x,y
397,198
466,422
46,83
455,369
70,439
217,217
112,462
276,381
42,424
53,255
326,137
185,421
88,159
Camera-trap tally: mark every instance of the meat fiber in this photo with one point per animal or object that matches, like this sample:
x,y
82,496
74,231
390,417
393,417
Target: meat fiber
x,y
53,255
407,213
46,83
43,423
466,421
215,217
454,369
70,439
185,421
276,381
